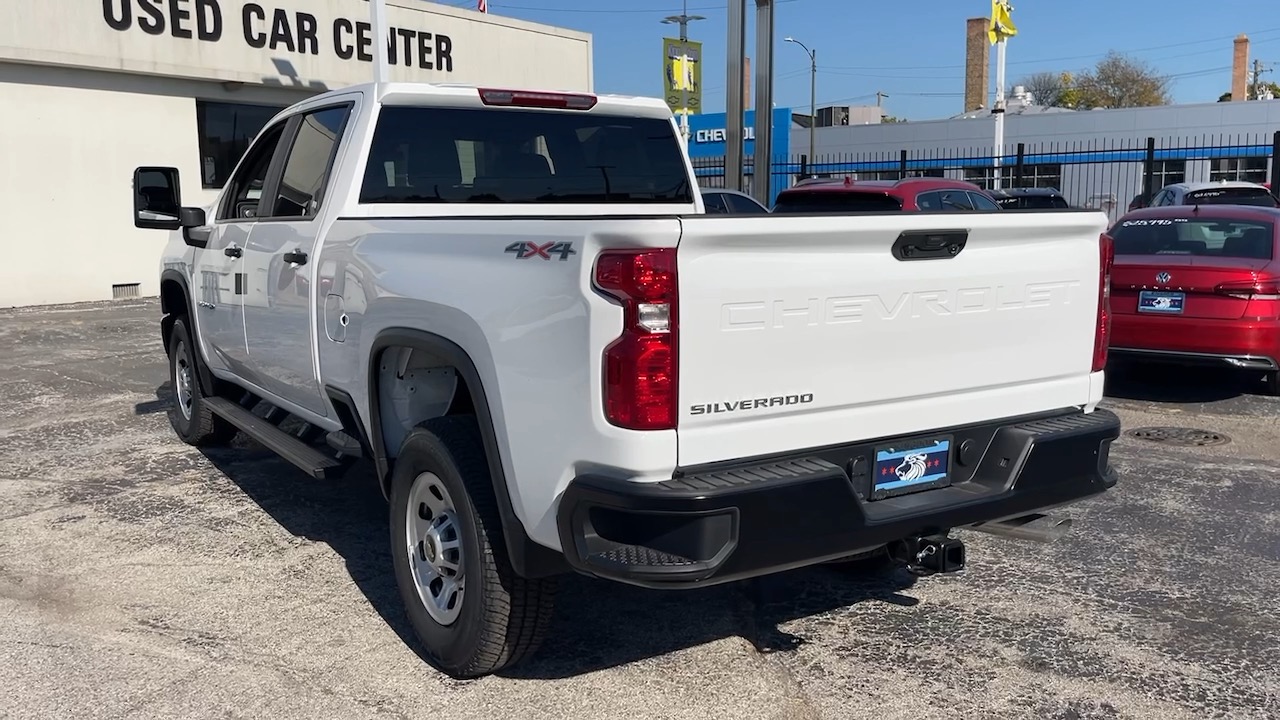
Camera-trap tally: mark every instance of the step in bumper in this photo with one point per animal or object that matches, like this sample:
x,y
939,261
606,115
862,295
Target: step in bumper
x,y
715,525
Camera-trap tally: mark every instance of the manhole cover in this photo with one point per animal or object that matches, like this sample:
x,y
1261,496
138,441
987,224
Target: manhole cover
x,y
1179,436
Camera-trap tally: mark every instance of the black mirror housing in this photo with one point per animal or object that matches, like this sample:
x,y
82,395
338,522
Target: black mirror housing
x,y
157,198
190,217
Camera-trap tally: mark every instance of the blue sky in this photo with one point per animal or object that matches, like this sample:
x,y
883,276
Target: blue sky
x,y
914,51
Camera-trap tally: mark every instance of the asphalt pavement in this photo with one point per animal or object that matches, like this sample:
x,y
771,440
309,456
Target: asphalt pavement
x,y
141,578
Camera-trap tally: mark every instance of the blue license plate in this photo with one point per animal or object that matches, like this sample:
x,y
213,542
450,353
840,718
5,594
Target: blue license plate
x,y
908,468
1161,301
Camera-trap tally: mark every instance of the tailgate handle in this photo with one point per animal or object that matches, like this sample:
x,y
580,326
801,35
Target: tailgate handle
x,y
929,244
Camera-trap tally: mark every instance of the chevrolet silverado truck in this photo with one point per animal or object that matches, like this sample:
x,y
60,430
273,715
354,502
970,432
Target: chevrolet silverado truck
x,y
513,307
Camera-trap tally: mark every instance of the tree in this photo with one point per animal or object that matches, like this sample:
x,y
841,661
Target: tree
x,y
1264,91
1118,81
1049,89
892,119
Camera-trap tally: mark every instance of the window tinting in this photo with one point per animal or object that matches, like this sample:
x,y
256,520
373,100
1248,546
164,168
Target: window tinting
x,y
225,131
245,195
739,205
714,202
1230,196
307,168
439,155
1211,237
835,202
982,202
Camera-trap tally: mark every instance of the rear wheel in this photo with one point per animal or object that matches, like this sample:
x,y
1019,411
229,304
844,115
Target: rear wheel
x,y
190,417
466,604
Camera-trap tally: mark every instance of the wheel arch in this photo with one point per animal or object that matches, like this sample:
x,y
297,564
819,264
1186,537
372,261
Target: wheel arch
x,y
175,302
529,559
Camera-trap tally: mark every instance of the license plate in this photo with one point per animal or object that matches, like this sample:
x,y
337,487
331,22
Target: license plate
x,y
1161,301
911,467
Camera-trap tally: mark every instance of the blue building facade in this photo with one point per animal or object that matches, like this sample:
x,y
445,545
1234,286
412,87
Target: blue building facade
x,y
707,148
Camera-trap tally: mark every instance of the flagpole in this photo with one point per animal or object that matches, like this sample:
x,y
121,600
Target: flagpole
x,y
998,112
378,23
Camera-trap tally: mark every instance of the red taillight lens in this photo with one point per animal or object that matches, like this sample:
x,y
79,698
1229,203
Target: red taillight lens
x,y
1260,289
640,388
1102,333
524,98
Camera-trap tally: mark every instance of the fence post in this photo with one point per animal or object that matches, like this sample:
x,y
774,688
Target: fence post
x,y
1148,171
1275,163
804,167
902,165
1017,168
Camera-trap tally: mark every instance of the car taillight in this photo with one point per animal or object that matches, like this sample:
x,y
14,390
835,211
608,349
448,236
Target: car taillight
x,y
1102,332
640,388
525,98
1261,289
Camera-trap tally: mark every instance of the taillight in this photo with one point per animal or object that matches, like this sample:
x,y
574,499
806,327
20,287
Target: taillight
x,y
1102,332
640,366
1261,289
525,98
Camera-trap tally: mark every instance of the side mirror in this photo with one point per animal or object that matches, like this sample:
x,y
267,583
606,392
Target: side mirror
x,y
157,198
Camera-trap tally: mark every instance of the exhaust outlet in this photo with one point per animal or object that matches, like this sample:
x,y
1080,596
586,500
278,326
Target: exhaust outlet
x,y
1036,527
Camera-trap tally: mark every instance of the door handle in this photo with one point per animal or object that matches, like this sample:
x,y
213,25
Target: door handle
x,y
297,257
232,251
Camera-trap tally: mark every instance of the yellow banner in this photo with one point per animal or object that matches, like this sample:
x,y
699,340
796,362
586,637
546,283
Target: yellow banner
x,y
1002,27
682,75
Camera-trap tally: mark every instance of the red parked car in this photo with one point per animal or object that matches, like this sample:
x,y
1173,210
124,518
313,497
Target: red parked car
x,y
844,195
1198,285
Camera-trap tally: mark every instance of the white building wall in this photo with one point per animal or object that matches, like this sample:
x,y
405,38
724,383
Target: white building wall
x,y
83,104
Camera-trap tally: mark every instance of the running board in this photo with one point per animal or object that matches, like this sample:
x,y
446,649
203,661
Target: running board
x,y
307,458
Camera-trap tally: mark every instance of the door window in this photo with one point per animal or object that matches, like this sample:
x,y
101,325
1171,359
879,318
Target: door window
x,y
245,190
714,203
739,205
981,202
306,170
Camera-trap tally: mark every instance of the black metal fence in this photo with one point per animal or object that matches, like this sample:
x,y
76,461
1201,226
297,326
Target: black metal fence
x,y
1104,174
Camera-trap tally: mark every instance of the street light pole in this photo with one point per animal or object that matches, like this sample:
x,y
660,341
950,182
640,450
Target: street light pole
x,y
683,20
813,93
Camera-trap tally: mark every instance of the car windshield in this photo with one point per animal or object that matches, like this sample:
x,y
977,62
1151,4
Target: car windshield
x,y
1035,202
1207,236
1230,196
835,202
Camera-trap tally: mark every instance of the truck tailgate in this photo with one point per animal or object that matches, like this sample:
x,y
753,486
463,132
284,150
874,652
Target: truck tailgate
x,y
800,332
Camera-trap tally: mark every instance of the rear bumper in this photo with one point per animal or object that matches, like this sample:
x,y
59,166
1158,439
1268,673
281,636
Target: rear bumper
x,y
713,525
1229,343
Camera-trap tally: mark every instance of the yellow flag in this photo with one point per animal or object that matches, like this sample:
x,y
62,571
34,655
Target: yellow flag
x,y
1002,27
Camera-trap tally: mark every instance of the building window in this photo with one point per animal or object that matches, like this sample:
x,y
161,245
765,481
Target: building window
x,y
1246,169
980,176
225,130
1042,176
1168,172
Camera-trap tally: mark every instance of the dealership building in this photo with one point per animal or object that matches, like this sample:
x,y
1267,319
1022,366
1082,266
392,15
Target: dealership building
x,y
92,89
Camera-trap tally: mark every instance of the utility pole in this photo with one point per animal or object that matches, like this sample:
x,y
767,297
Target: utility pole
x,y
1255,84
683,20
880,96
813,93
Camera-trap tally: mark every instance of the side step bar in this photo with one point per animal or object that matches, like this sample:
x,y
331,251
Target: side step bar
x,y
307,458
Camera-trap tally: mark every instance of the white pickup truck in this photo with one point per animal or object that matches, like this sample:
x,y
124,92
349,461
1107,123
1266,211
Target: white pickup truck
x,y
514,306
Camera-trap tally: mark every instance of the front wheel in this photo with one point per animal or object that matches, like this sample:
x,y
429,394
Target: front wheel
x,y
466,604
190,417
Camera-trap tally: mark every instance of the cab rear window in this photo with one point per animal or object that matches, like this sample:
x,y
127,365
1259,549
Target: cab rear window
x,y
835,202
1210,237
455,155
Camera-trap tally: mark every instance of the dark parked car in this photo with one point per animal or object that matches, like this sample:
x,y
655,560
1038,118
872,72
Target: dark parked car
x,y
843,195
730,202
1029,199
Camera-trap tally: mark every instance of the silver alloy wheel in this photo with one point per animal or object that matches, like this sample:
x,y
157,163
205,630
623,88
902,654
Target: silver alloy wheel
x,y
182,377
435,548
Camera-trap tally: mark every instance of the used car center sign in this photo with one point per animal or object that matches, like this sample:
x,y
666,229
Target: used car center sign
x,y
313,44
277,30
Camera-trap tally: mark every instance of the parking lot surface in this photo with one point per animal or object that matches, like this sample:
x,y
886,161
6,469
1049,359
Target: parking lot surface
x,y
140,577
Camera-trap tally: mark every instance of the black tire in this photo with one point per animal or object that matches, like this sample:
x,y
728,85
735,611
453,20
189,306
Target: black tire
x,y
193,422
1271,383
504,617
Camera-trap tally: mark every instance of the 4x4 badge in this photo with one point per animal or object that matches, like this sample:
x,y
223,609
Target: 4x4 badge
x,y
525,250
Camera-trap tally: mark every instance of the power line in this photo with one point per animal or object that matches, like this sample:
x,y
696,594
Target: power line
x,y
655,11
